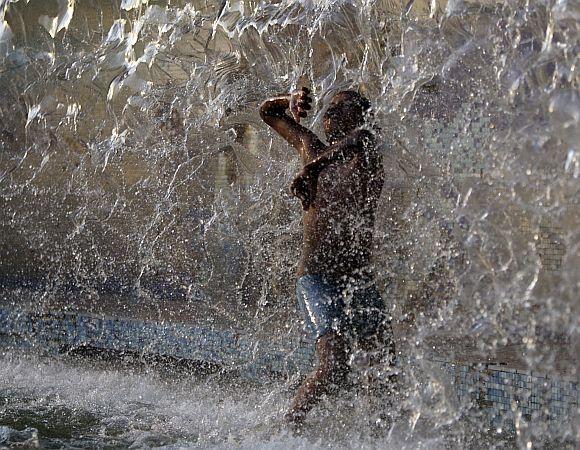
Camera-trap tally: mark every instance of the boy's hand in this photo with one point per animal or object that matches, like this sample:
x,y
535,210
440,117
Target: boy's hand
x,y
300,103
304,186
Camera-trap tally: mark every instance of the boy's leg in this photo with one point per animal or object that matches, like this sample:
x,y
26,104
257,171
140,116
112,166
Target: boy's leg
x,y
331,374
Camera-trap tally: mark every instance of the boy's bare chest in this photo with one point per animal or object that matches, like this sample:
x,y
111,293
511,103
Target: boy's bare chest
x,y
340,183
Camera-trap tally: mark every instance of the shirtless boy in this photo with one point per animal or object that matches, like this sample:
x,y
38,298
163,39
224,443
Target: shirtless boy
x,y
339,186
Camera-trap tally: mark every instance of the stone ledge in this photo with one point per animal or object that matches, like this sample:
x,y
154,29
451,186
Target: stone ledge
x,y
504,394
57,331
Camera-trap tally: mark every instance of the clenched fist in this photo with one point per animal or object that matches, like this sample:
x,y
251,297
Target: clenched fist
x,y
300,103
305,185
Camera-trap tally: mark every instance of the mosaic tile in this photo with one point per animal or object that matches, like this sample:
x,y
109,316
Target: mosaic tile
x,y
505,391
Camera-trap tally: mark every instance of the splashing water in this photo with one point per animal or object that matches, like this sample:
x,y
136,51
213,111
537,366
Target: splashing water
x,y
135,170
65,403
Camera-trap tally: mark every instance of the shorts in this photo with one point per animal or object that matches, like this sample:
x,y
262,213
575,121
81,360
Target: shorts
x,y
354,309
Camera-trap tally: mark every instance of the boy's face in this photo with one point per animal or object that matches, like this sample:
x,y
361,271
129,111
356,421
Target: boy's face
x,y
343,115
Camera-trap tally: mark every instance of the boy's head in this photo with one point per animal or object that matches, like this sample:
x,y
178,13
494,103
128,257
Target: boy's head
x,y
345,113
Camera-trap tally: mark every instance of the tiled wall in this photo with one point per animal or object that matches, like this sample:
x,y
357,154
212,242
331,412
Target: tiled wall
x,y
506,394
550,247
500,392
250,356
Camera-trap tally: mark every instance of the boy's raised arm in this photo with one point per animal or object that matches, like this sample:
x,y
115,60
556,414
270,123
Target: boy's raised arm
x,y
273,112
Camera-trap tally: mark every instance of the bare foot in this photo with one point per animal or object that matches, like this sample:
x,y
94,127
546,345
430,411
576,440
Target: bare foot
x,y
295,420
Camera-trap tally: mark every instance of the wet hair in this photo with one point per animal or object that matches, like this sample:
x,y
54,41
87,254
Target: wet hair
x,y
359,100
352,100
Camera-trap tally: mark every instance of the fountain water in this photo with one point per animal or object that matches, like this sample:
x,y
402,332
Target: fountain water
x,y
145,205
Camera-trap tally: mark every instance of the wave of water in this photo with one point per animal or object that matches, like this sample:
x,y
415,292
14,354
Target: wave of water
x,y
134,161
129,405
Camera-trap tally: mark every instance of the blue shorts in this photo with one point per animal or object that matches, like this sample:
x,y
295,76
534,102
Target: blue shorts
x,y
353,309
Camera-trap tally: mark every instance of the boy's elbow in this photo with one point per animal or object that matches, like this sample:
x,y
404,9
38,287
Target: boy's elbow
x,y
270,115
273,108
264,112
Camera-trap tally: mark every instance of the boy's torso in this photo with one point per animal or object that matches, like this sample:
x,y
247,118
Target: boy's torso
x,y
338,228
